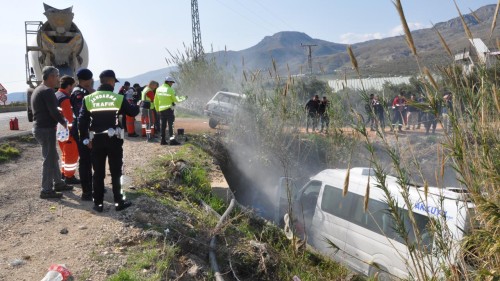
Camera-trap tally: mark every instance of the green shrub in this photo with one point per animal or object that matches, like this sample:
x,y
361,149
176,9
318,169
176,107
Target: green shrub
x,y
7,152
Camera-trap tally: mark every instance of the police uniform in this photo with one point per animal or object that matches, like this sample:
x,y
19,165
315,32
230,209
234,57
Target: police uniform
x,y
99,124
85,164
165,99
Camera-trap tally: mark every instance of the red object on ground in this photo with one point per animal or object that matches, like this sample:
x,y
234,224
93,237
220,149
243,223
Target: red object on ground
x,y
14,123
58,271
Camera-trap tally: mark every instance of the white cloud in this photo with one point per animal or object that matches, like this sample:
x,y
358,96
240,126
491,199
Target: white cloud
x,y
398,30
350,38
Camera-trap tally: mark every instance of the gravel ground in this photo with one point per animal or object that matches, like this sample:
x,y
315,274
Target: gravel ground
x,y
36,233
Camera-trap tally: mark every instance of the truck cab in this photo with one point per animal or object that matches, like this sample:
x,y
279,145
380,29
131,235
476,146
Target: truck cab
x,y
57,42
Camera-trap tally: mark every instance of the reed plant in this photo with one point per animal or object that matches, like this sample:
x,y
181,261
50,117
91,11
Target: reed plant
x,y
471,147
199,77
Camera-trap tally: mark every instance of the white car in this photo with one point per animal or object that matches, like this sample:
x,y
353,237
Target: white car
x,y
367,241
222,108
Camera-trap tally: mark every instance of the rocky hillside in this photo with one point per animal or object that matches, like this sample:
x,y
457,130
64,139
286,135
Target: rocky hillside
x,y
382,57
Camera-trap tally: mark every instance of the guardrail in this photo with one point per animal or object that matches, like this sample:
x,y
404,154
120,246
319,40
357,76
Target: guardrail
x,y
9,108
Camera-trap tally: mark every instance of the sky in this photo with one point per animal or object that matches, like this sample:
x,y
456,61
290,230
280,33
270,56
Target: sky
x,y
132,37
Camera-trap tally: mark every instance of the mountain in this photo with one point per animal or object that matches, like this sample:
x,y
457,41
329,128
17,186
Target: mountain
x,y
16,97
380,57
143,79
285,48
392,55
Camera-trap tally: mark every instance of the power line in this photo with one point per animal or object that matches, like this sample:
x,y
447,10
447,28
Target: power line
x,y
287,25
243,16
264,19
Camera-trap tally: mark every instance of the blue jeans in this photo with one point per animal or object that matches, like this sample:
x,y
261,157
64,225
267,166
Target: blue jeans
x,y
51,173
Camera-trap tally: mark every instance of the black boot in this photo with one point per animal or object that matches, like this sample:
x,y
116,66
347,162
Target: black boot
x,y
163,141
174,142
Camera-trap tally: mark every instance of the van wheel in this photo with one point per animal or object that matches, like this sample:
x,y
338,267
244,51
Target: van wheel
x,y
212,123
381,274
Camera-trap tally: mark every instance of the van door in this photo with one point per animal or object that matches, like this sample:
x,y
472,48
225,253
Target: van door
x,y
298,222
367,241
329,226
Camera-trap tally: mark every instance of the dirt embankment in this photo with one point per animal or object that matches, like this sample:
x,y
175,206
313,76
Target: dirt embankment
x,y
36,233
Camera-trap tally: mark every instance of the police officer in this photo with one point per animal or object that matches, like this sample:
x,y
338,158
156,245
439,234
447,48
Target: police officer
x,y
83,89
164,102
101,133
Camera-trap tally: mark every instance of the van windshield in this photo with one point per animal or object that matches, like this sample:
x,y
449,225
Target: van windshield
x,y
377,218
309,197
227,98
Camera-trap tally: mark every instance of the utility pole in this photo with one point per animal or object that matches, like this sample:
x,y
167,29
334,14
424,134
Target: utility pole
x,y
195,18
309,56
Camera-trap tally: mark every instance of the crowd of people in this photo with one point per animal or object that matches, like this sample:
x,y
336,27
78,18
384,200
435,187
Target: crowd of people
x,y
406,112
410,113
90,125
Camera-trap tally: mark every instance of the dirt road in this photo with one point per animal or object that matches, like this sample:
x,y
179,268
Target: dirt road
x,y
36,233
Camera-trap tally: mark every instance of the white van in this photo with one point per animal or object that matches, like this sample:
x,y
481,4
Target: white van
x,y
366,241
222,107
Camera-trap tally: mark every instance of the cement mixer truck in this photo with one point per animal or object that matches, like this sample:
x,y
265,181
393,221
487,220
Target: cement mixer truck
x,y
57,42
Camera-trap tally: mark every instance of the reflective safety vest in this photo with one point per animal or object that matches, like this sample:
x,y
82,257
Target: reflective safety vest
x,y
144,97
165,97
103,101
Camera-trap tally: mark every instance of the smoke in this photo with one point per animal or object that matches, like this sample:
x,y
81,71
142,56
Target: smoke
x,y
264,144
266,141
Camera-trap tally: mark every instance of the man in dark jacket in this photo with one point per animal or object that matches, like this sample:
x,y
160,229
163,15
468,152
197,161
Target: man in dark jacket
x,y
83,89
312,107
323,114
99,130
122,91
45,119
378,110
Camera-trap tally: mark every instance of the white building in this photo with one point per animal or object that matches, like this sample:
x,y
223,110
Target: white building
x,y
367,83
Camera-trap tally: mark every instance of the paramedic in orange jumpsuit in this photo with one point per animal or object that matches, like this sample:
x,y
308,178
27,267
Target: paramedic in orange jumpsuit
x,y
69,148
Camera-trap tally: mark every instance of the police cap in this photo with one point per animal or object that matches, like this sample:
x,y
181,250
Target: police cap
x,y
84,74
108,74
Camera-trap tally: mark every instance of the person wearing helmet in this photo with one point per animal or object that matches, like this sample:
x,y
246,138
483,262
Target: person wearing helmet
x,y
164,102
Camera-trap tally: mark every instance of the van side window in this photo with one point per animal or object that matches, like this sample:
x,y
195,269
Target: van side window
x,y
377,218
334,203
221,98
